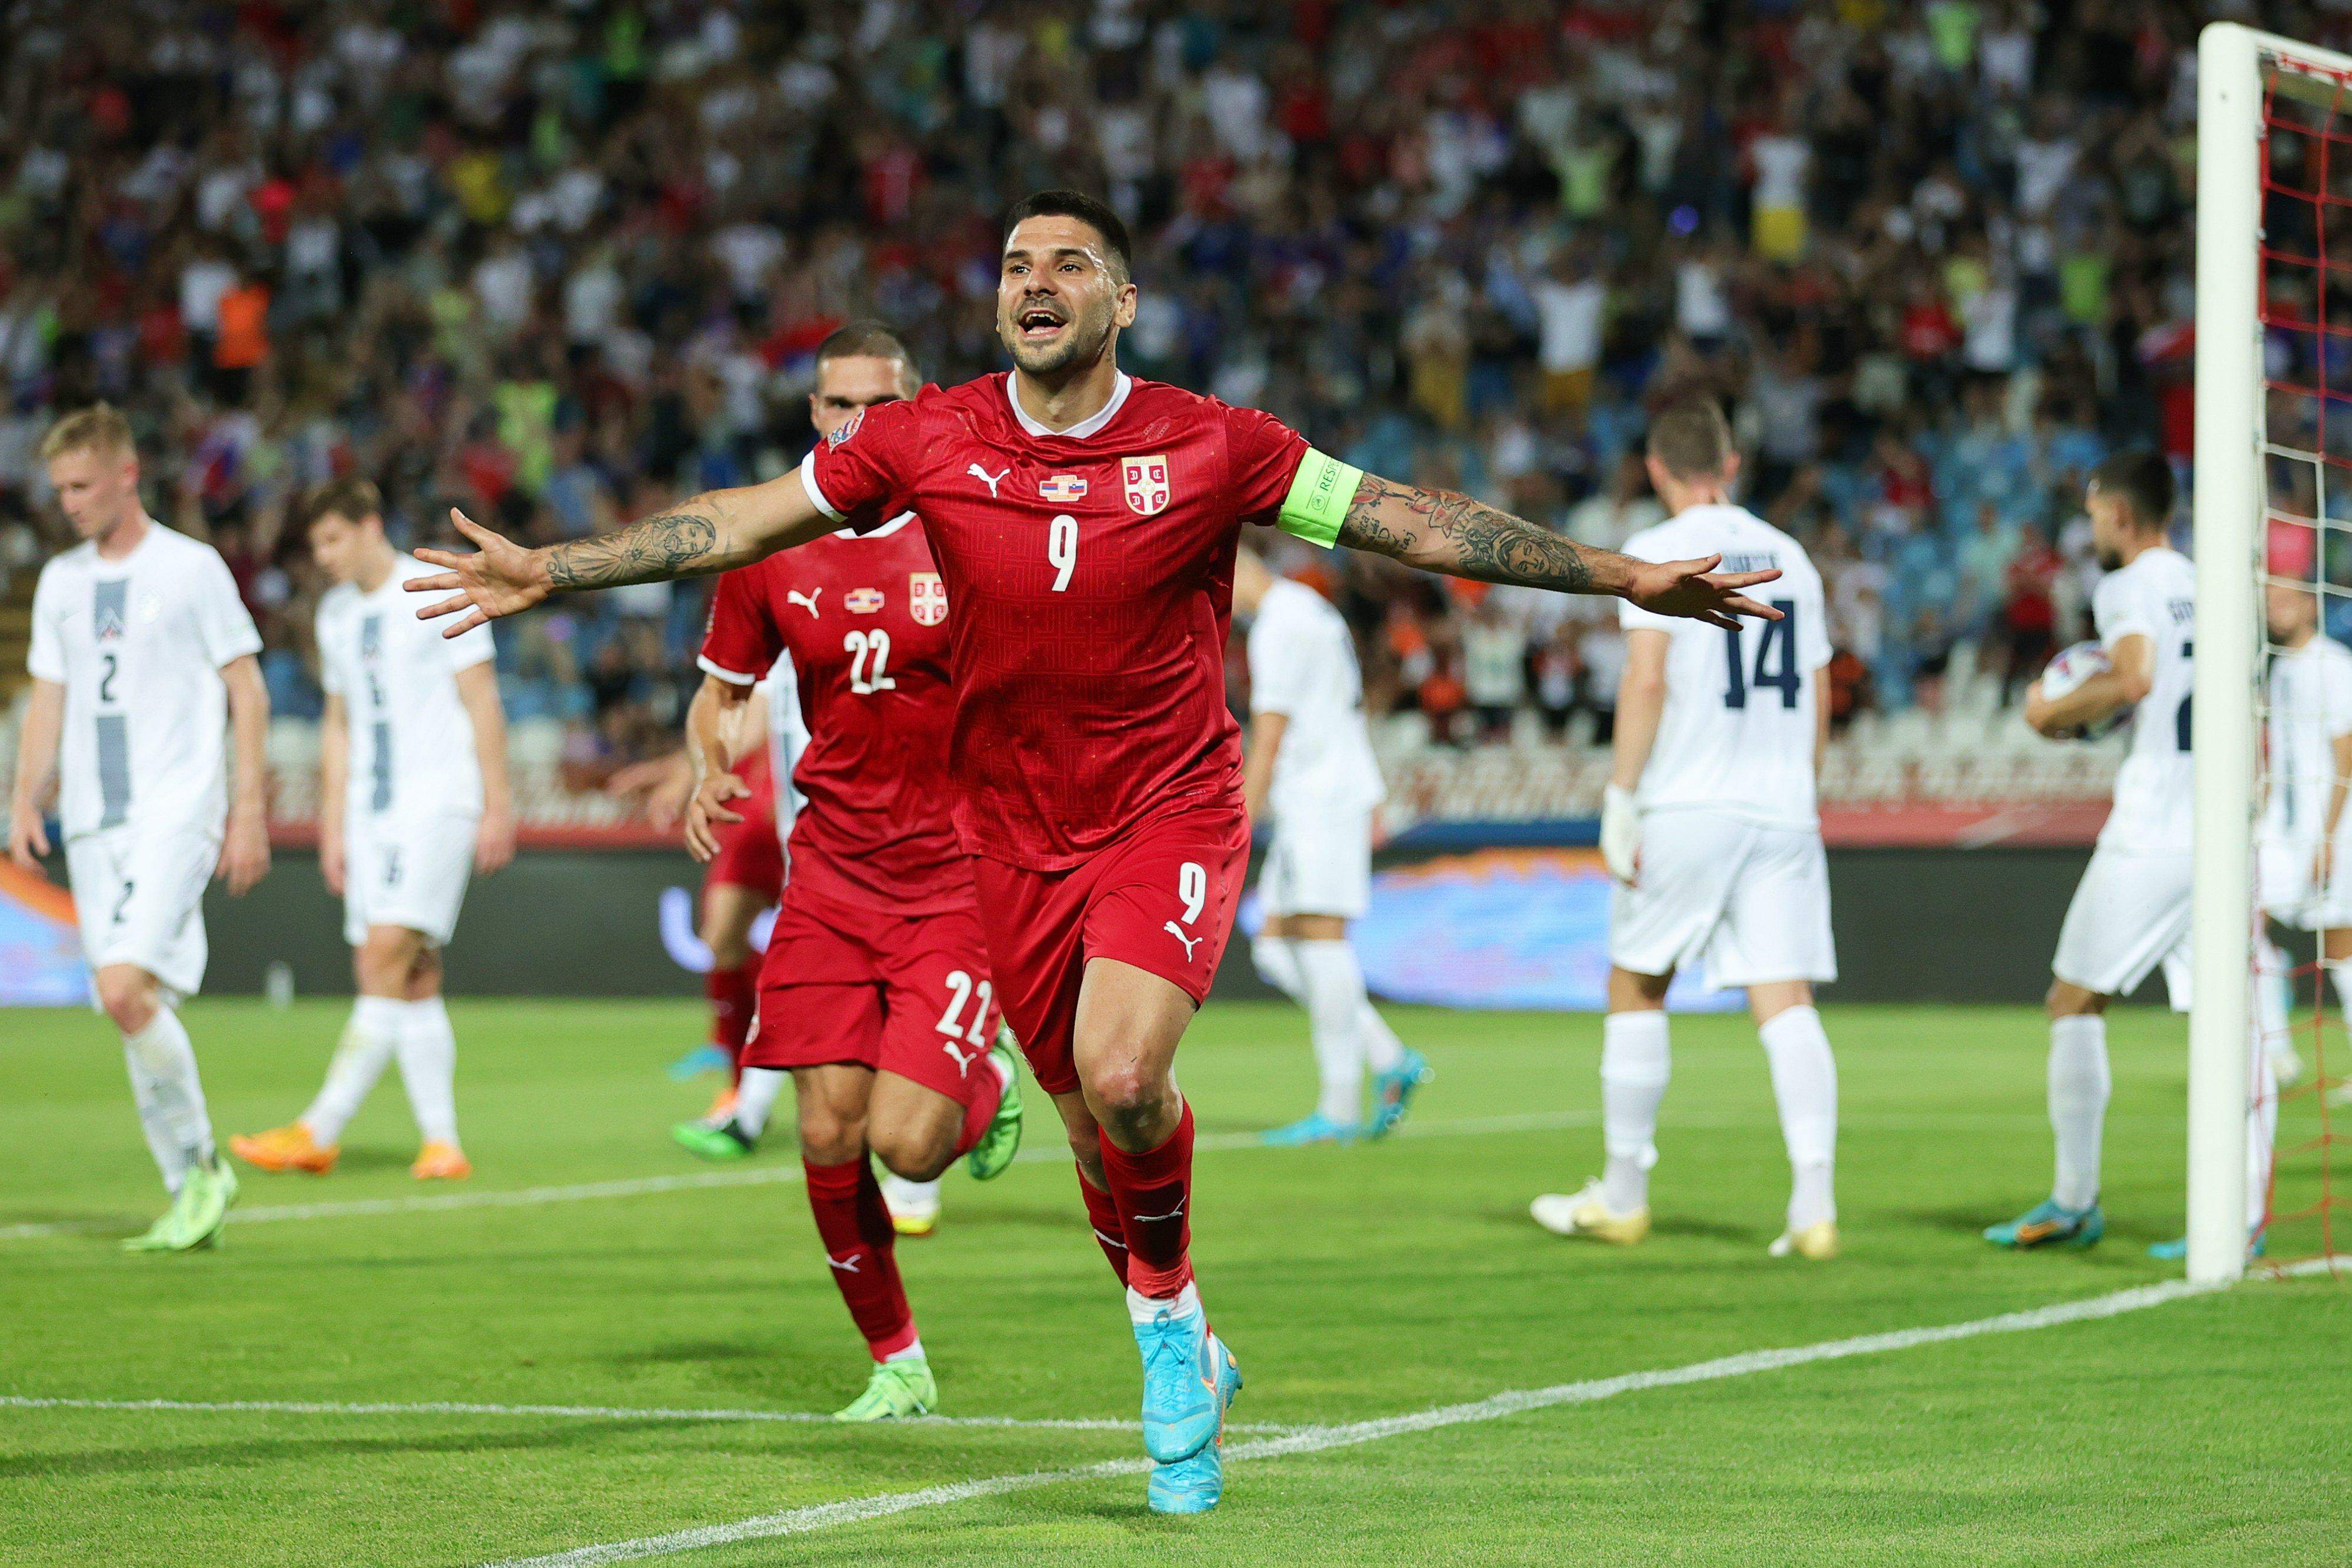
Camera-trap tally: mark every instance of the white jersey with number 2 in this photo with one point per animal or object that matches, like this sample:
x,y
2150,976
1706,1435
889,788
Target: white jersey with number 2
x,y
137,645
1738,734
2154,597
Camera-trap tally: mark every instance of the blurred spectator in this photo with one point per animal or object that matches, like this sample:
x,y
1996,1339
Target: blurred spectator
x,y
555,264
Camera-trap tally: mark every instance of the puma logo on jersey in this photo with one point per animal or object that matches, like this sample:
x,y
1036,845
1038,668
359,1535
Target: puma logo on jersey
x,y
1175,1213
987,478
805,600
1178,932
964,1060
848,1265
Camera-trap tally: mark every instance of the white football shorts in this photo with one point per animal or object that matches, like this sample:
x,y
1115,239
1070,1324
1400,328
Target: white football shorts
x,y
139,898
1319,863
2130,914
2283,882
409,871
1752,901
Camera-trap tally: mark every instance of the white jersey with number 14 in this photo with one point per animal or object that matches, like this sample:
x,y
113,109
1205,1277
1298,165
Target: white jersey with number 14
x,y
1738,734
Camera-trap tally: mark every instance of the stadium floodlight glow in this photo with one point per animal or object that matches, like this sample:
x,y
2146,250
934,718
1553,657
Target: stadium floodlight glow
x,y
2243,75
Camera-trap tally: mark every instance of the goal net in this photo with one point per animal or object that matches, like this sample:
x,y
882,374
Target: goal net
x,y
2273,518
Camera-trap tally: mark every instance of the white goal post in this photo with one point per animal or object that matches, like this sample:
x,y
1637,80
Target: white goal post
x,y
2238,70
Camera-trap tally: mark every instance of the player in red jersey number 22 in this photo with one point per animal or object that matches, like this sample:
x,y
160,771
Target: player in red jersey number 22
x,y
1085,524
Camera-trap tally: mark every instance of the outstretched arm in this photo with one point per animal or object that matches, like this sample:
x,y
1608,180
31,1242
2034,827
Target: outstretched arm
x,y
715,531
1440,531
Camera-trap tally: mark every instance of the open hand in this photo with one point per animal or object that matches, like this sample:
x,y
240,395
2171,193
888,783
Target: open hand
x,y
708,807
1694,588
500,579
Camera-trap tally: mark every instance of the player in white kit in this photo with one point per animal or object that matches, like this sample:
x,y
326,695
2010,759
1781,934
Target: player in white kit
x,y
2130,912
1710,826
412,801
1310,762
2303,873
142,656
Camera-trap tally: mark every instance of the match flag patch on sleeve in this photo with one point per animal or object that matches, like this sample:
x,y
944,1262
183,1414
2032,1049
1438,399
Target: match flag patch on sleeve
x,y
1319,498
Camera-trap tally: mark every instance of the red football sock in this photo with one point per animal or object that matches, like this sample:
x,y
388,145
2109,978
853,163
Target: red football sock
x,y
1109,1234
984,1091
859,1244
734,994
1153,1191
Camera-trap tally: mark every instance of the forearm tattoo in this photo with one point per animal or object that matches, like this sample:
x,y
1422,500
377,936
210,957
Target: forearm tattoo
x,y
670,545
1442,532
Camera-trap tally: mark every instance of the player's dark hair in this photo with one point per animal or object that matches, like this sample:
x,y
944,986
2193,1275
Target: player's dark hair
x,y
351,499
1078,205
2144,480
867,340
1691,439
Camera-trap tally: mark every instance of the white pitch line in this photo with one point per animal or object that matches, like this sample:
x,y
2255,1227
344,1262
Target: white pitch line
x,y
1317,1440
788,1174
760,1176
575,1412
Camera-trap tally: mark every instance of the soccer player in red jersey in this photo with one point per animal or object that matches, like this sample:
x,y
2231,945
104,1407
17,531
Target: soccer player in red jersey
x,y
875,993
1085,525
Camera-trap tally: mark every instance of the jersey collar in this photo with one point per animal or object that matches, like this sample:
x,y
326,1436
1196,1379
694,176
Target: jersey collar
x,y
1090,425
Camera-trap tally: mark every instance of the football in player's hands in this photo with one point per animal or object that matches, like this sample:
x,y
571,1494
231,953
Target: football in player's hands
x,y
2066,673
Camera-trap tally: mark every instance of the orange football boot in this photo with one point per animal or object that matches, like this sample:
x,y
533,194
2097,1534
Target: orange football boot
x,y
441,1162
286,1148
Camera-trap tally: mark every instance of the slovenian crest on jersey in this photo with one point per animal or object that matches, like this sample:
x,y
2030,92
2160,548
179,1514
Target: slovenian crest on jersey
x,y
927,597
1147,482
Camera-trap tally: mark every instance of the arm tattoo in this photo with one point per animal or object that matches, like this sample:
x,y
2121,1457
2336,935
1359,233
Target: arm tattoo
x,y
1438,530
672,544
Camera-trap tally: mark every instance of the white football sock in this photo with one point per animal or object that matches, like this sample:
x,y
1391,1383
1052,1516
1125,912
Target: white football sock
x,y
1143,1309
170,1096
1335,1002
2079,1087
369,1039
913,1351
1383,1050
903,1197
1635,1062
756,1096
2262,1135
1277,966
1804,1083
428,1068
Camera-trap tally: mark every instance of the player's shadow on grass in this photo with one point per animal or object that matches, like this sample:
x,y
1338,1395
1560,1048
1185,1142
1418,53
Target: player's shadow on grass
x,y
693,1353
277,1451
373,1159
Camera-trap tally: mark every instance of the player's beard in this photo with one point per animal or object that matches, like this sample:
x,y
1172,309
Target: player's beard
x,y
1081,343
2109,560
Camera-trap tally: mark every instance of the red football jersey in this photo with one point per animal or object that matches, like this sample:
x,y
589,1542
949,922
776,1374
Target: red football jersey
x,y
1092,574
865,621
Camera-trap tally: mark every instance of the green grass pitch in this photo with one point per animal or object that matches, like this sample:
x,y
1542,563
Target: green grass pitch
x,y
1354,1284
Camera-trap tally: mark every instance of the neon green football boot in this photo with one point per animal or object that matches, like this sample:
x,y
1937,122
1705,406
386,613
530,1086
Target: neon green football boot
x,y
196,1216
1001,1138
898,1390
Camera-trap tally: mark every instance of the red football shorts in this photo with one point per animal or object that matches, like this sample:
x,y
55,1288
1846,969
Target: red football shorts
x,y
1161,899
907,994
750,853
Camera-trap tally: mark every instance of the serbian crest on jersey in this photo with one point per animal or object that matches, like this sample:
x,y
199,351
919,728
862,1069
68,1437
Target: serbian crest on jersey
x,y
863,600
927,597
1147,482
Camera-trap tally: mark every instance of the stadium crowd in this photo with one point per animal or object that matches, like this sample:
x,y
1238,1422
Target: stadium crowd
x,y
560,263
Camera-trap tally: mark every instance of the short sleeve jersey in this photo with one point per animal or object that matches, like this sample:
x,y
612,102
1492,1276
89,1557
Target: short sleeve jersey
x,y
1091,570
2154,597
864,620
2310,703
137,645
1742,711
1302,665
412,746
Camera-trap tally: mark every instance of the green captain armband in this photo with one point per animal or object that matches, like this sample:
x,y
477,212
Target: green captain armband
x,y
1318,499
